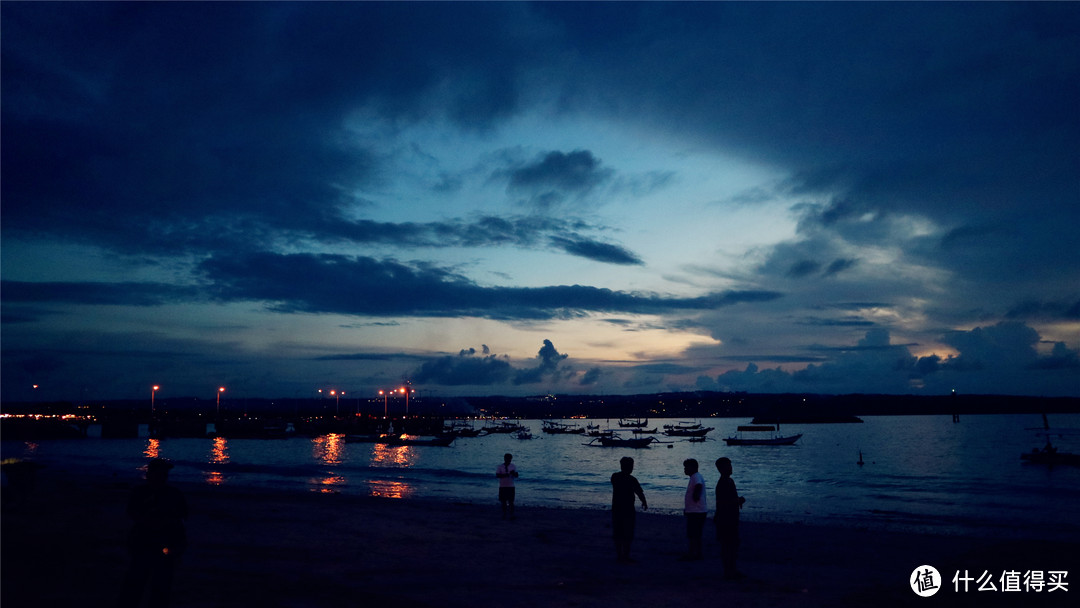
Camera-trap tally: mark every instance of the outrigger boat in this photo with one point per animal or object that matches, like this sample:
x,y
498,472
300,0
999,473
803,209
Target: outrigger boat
x,y
614,441
503,427
776,439
627,423
561,428
463,428
700,431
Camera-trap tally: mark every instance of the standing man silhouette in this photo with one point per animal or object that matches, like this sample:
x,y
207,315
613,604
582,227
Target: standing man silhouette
x,y
696,509
728,503
624,487
507,473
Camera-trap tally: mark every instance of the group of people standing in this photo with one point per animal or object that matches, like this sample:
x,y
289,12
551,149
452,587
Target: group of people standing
x,y
625,489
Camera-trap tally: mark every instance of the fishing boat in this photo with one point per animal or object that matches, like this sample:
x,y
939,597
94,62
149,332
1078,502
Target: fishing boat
x,y
523,433
701,431
683,425
503,427
1048,454
651,431
776,439
628,423
462,428
614,441
443,440
561,428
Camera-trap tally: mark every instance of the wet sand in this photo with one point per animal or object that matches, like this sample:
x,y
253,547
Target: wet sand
x,y
63,545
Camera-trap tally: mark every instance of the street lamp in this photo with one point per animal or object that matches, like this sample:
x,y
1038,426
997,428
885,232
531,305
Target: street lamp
x,y
385,396
405,392
219,391
337,402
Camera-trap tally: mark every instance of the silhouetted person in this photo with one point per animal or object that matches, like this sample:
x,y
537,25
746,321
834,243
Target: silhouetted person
x,y
157,538
506,472
696,509
624,487
728,504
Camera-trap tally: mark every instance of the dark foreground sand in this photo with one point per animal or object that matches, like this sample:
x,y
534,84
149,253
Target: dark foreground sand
x,y
63,545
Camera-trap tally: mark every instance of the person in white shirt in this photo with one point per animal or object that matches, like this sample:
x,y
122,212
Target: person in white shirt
x,y
506,472
696,509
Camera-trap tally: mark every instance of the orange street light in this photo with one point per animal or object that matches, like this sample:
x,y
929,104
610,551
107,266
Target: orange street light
x,y
219,391
152,391
384,398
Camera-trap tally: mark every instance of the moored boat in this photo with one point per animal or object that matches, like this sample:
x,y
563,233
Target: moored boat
x,y
775,439
614,441
1049,455
701,431
561,428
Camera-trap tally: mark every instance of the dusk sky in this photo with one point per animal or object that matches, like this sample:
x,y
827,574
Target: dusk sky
x,y
515,198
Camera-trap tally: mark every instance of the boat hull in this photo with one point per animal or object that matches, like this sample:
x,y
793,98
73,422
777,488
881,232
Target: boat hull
x,y
771,441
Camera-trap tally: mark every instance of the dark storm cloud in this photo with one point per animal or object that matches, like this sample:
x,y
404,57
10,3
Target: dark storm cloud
x,y
600,252
489,369
557,176
134,125
951,111
990,359
1032,309
359,286
366,286
530,232
115,294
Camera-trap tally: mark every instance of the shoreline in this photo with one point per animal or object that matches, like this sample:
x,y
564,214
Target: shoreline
x,y
63,544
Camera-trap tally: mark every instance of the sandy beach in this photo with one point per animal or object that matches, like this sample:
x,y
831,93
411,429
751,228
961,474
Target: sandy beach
x,y
63,545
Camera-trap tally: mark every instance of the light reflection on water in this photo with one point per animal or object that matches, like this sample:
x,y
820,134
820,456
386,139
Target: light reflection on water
x,y
920,471
328,449
329,484
219,454
393,455
390,489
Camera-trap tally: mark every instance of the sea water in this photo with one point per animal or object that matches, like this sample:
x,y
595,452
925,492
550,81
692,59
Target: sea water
x,y
919,473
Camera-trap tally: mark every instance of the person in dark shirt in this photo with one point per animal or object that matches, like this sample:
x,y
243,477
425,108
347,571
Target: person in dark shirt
x,y
157,538
624,487
728,503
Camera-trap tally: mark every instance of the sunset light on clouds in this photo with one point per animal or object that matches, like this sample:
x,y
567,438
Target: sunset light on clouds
x,y
519,198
